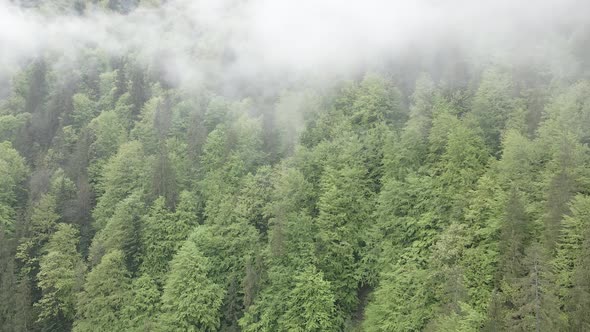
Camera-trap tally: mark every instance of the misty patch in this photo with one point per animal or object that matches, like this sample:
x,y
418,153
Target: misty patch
x,y
276,43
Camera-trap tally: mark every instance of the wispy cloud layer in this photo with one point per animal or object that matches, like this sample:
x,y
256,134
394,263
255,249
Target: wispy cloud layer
x,y
193,39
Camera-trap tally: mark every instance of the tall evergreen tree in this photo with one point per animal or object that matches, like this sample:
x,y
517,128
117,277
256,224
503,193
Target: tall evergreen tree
x,y
191,300
310,305
60,277
124,174
159,242
402,302
143,307
106,290
571,264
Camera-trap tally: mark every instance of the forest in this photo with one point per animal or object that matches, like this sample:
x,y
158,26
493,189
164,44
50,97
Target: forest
x,y
193,187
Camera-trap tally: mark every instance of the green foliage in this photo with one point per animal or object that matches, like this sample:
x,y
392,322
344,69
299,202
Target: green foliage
x,y
452,200
227,248
402,302
466,320
188,213
375,100
569,112
121,232
84,110
143,307
43,223
254,197
191,300
13,172
60,278
11,124
534,304
572,263
108,133
107,289
343,213
311,305
460,166
493,103
124,174
161,237
514,237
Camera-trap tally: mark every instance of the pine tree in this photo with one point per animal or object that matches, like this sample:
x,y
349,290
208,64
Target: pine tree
x,y
106,290
191,301
188,214
343,214
42,224
158,240
514,236
12,175
84,110
290,250
461,164
143,307
579,294
124,174
60,277
492,105
122,232
571,264
8,283
534,302
402,302
103,136
311,305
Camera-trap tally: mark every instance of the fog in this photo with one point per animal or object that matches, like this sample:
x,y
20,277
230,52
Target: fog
x,y
192,41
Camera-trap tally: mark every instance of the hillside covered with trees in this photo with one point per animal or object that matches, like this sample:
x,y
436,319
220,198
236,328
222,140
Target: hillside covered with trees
x,y
432,192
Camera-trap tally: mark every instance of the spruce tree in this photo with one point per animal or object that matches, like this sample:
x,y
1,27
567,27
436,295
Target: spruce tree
x,y
191,300
105,293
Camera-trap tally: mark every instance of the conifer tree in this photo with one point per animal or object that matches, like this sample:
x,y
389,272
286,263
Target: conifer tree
x,y
311,305
191,300
143,307
106,291
60,277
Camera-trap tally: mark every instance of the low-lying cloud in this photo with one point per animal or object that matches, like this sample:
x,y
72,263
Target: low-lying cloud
x,y
192,40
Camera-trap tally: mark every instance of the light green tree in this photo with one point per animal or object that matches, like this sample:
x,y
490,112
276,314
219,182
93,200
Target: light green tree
x,y
159,241
124,174
106,290
13,172
402,302
60,278
141,311
311,305
191,300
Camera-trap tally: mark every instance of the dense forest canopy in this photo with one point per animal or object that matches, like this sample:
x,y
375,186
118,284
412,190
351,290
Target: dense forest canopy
x,y
257,165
